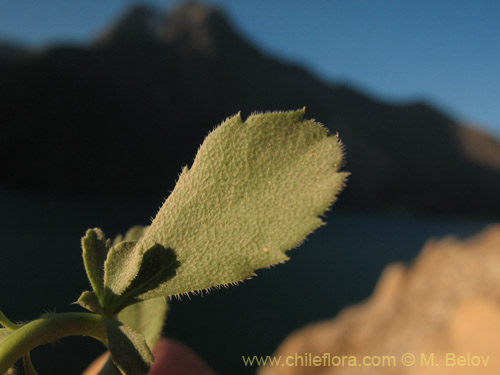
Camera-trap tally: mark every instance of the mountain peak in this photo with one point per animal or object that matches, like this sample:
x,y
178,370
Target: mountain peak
x,y
136,23
183,71
194,14
197,28
192,26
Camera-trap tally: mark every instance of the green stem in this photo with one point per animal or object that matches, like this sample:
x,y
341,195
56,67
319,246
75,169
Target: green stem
x,y
7,323
29,369
49,328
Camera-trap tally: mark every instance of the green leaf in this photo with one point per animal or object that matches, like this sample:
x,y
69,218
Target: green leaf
x,y
120,268
157,265
95,250
89,301
255,190
128,348
133,234
147,318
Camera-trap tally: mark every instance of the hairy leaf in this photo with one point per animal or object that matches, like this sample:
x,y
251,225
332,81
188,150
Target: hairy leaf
x,y
128,348
89,301
120,268
255,190
95,250
156,266
133,234
147,318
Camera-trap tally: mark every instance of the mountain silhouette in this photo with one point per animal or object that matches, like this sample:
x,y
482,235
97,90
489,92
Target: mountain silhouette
x,y
121,115
11,51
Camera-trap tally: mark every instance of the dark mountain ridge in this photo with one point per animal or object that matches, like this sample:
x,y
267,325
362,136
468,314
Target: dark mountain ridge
x,y
120,116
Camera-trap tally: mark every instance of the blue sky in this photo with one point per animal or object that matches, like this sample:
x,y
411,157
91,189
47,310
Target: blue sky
x,y
444,51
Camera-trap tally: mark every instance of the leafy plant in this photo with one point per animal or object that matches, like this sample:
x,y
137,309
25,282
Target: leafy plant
x,y
256,189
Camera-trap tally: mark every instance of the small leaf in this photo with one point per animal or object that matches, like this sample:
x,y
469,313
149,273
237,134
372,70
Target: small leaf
x,y
157,265
128,348
147,318
89,301
256,189
95,250
133,234
120,268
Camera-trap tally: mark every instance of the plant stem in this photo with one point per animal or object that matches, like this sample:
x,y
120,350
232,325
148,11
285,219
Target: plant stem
x,y
29,369
7,323
47,329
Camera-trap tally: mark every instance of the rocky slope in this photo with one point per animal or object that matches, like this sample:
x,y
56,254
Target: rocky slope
x,y
443,307
121,115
